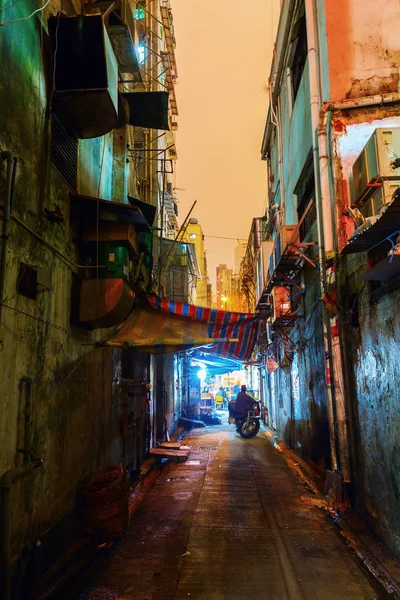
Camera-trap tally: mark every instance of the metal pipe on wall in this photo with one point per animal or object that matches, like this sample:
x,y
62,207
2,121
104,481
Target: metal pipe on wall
x,y
322,208
320,118
6,483
339,370
10,181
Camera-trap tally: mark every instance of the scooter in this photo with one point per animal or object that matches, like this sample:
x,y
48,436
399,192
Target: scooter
x,y
249,425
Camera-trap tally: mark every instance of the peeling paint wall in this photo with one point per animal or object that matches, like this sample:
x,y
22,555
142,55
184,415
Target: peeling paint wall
x,y
359,51
366,62
363,47
303,427
76,389
372,353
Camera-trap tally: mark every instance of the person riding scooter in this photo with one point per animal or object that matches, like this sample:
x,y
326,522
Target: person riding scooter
x,y
243,403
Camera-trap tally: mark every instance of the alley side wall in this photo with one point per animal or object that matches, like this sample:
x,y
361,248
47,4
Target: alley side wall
x,y
71,392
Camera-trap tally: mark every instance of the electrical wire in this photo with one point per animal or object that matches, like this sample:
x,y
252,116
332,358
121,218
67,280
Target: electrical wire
x,y
69,263
54,64
97,226
218,237
45,322
25,18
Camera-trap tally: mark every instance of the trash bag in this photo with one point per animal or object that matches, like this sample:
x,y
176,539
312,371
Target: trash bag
x,y
210,419
104,499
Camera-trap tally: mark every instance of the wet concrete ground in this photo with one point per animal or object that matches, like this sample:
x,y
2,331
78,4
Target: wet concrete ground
x,y
230,523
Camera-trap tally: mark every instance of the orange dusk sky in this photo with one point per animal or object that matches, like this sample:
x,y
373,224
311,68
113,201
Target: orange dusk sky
x,y
224,53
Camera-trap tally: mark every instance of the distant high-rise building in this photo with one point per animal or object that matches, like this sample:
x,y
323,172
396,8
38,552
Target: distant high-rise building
x,y
240,251
224,276
194,235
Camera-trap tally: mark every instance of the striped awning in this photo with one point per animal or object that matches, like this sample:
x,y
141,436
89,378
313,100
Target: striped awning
x,y
162,326
221,325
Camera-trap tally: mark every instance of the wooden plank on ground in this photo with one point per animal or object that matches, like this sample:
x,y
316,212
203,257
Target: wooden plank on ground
x,y
172,455
171,445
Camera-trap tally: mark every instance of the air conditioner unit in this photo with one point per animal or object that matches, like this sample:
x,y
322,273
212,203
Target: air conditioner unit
x,y
85,97
380,197
374,164
262,268
266,252
281,302
283,238
259,287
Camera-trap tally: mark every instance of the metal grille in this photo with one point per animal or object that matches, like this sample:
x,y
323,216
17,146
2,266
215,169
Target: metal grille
x,y
27,281
64,153
308,222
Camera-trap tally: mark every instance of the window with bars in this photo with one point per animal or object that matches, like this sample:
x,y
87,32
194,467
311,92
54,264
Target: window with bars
x,y
310,217
27,281
299,54
305,191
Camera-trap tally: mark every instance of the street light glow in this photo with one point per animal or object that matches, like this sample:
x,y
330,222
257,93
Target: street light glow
x,y
202,374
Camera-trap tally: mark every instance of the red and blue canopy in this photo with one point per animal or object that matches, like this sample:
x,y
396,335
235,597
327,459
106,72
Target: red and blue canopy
x,y
221,325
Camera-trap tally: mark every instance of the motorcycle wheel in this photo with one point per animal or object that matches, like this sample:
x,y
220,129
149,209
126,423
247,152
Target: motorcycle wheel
x,y
250,431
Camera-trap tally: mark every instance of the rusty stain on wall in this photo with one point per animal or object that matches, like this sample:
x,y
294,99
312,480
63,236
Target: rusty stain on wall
x,y
373,86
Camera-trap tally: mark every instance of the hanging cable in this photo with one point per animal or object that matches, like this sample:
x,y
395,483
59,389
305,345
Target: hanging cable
x,y
45,322
25,18
61,256
54,63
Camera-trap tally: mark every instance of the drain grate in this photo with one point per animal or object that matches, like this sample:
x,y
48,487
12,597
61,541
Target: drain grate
x,y
101,592
314,552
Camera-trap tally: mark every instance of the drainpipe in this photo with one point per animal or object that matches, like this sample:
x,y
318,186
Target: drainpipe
x,y
25,385
320,116
341,410
324,220
10,180
6,482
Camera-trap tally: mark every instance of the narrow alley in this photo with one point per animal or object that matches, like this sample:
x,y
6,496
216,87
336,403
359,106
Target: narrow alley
x,y
232,522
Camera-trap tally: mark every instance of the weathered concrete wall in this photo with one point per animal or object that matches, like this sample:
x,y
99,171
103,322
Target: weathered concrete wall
x,y
173,404
303,423
95,167
76,389
359,50
304,426
373,357
167,393
363,47
371,324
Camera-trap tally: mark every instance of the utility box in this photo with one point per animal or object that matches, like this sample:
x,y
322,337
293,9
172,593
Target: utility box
x,y
85,97
113,261
108,231
375,164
